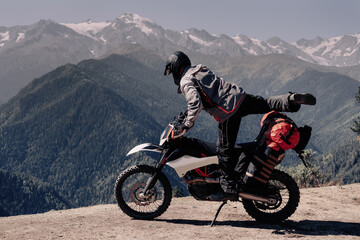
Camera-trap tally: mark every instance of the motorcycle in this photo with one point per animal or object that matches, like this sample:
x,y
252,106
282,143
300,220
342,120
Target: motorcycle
x,y
144,192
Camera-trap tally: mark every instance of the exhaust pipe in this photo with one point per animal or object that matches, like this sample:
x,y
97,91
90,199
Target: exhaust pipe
x,y
202,180
254,197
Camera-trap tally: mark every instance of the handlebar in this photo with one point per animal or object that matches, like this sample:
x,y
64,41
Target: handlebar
x,y
177,134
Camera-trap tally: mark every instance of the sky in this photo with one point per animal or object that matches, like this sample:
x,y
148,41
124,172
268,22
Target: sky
x,y
291,20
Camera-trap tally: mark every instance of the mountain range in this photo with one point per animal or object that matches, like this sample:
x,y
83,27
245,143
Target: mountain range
x,y
31,51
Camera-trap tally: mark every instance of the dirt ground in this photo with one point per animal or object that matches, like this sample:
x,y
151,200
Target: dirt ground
x,y
323,213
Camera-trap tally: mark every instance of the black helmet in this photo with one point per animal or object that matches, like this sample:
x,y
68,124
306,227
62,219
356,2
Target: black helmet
x,y
176,64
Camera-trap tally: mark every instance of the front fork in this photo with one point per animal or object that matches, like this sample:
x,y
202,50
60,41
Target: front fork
x,y
159,166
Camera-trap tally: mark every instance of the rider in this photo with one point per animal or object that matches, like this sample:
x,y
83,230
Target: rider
x,y
227,103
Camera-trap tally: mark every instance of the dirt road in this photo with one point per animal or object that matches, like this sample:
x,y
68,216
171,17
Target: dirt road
x,y
323,213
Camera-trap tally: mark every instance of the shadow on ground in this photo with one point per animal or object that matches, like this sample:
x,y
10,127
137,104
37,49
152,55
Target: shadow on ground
x,y
305,227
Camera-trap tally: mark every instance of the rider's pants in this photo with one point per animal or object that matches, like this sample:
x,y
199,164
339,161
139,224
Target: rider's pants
x,y
228,131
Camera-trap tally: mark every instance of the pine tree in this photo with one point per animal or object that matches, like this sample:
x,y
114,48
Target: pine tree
x,y
356,125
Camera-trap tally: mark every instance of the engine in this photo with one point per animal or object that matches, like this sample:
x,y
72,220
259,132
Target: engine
x,y
201,187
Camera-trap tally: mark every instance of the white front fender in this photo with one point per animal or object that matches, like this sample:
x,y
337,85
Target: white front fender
x,y
145,147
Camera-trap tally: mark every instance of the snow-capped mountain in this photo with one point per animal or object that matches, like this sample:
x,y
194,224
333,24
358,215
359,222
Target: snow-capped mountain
x,y
30,51
337,51
132,28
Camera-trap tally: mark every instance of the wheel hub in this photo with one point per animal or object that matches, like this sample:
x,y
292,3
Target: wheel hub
x,y
139,198
274,202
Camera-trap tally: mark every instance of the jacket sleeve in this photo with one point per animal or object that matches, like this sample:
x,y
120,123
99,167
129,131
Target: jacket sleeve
x,y
193,101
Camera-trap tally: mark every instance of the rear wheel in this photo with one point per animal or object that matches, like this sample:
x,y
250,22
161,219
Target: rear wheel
x,y
130,196
287,195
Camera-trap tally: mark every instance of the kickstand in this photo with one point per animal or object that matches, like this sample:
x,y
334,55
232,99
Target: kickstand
x,y
217,213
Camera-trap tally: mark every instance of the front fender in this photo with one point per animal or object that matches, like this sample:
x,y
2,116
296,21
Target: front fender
x,y
145,147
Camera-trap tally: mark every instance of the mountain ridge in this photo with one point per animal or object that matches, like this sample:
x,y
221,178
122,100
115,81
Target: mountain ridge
x,y
316,50
55,44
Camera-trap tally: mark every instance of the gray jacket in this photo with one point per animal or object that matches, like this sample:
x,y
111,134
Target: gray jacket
x,y
199,83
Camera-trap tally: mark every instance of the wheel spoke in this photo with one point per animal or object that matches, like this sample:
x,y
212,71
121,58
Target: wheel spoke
x,y
282,198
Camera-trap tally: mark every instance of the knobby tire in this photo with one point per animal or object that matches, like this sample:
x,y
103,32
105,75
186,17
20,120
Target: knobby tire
x,y
125,205
258,213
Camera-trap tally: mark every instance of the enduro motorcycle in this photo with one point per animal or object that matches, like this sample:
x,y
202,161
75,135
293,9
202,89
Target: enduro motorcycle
x,y
144,192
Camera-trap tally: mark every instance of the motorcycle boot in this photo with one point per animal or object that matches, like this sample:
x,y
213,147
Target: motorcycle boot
x,y
302,98
228,184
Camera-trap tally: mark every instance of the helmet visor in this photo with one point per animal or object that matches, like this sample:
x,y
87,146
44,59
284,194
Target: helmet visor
x,y
167,69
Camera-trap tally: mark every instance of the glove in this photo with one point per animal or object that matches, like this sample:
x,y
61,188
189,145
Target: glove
x,y
181,116
179,131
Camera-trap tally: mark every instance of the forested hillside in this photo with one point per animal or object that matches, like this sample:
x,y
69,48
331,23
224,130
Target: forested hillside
x,y
22,194
342,164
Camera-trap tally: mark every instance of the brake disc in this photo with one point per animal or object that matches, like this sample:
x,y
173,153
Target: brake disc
x,y
139,198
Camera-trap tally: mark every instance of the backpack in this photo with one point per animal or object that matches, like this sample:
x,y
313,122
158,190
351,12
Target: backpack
x,y
280,131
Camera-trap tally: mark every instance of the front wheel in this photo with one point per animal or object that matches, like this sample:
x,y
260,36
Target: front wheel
x,y
130,196
287,194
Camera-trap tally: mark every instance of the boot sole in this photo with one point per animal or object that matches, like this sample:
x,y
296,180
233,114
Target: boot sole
x,y
306,99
